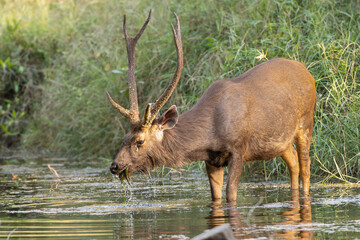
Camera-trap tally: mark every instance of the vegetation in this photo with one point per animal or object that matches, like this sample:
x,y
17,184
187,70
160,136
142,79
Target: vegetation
x,y
59,57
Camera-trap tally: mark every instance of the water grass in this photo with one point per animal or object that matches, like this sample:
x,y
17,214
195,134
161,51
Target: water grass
x,y
79,49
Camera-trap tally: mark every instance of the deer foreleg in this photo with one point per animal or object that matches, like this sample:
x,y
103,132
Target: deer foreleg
x,y
235,168
216,179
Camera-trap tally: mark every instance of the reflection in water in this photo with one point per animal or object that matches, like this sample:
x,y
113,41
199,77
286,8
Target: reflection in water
x,y
55,185
296,222
217,217
298,215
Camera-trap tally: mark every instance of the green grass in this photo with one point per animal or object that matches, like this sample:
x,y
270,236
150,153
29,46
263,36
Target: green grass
x,y
74,46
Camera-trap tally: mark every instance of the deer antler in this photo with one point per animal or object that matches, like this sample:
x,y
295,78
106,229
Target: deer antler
x,y
133,113
151,111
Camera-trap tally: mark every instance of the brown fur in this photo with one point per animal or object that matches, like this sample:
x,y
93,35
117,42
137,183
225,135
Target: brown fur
x,y
256,116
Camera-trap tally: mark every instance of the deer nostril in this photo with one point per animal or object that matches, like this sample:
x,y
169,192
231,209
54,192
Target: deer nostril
x,y
114,168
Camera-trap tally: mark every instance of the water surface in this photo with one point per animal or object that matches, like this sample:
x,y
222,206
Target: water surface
x,y
88,203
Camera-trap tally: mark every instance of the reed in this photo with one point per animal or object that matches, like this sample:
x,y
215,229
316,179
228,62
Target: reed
x,y
78,52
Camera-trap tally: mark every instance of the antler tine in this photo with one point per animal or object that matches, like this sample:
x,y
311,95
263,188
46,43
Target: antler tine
x,y
147,115
126,113
170,89
130,47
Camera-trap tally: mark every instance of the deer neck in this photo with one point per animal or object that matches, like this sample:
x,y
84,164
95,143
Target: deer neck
x,y
187,142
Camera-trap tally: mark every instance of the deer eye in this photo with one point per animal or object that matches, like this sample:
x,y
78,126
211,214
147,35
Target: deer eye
x,y
139,143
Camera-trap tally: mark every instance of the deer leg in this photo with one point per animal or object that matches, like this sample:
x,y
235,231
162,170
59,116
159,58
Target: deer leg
x,y
302,141
291,159
233,179
216,178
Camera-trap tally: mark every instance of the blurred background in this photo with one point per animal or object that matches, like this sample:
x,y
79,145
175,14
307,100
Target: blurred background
x,y
57,59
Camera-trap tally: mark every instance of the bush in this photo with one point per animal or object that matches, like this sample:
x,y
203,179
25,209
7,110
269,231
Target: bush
x,y
84,55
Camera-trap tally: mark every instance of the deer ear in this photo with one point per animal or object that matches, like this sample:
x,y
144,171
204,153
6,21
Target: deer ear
x,y
169,119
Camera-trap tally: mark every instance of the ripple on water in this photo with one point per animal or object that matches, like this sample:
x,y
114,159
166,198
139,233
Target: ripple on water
x,y
339,200
91,201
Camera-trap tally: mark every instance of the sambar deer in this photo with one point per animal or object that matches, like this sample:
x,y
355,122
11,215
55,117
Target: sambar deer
x,y
255,116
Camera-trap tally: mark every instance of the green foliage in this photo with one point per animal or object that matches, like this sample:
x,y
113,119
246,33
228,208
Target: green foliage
x,y
79,48
23,56
15,91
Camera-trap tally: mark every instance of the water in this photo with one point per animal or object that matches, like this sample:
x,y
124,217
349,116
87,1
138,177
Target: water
x,y
89,203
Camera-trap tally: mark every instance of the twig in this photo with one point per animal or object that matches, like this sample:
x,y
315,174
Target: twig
x,y
251,211
12,231
54,171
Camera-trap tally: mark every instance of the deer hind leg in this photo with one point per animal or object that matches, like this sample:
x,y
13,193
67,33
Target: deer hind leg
x,y
303,141
291,159
216,179
233,178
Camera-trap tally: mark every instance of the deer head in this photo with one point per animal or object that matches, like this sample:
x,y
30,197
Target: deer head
x,y
145,135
